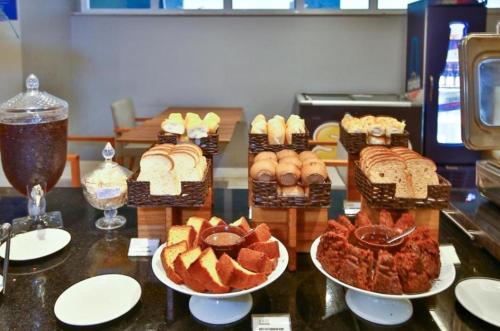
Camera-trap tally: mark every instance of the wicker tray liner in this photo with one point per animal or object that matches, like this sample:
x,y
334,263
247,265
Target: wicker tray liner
x,y
382,195
193,194
258,142
265,194
209,144
355,142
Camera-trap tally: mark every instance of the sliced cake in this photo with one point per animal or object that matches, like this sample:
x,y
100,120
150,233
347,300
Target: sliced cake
x,y
178,233
181,267
168,256
234,275
242,223
255,261
216,221
260,233
270,248
204,270
199,225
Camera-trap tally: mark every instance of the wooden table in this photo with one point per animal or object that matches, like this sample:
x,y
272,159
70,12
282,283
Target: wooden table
x,y
147,131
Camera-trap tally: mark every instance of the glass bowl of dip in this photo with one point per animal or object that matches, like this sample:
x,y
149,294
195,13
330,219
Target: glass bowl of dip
x,y
223,239
375,237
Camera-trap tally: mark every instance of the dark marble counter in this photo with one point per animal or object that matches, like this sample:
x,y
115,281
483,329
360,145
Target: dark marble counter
x,y
313,302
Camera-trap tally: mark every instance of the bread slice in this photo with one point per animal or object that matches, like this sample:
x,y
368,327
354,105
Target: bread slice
x,y
204,270
270,248
423,173
190,146
242,223
260,233
234,275
181,267
178,233
184,159
255,261
392,171
216,221
199,225
168,256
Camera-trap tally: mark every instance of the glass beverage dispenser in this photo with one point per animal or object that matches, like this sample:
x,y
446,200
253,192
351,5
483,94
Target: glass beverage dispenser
x,y
33,138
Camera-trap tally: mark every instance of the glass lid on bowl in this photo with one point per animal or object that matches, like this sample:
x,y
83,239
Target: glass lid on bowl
x,y
33,106
108,173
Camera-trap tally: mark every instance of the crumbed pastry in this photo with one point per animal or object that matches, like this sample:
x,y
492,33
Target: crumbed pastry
x,y
211,121
264,170
287,174
173,124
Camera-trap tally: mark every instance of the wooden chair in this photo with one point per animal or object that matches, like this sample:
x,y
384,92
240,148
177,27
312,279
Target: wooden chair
x,y
124,118
74,159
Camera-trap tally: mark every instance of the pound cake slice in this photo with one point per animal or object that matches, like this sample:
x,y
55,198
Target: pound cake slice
x,y
242,223
182,264
255,261
178,233
234,275
199,225
204,270
270,248
216,221
168,256
260,233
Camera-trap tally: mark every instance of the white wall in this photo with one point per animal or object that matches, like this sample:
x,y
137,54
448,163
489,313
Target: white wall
x,y
10,63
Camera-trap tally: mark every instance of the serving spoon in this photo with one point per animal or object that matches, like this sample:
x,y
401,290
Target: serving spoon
x,y
402,235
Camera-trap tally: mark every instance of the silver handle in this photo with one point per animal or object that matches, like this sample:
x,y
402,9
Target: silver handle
x,y
450,215
7,232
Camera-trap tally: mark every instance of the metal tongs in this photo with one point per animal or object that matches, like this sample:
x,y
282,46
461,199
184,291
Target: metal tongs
x,y
5,235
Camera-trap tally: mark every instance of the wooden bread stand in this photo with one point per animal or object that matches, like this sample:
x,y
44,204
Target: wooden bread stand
x,y
154,222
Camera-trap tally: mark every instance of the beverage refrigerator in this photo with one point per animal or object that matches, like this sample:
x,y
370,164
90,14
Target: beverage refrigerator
x,y
434,32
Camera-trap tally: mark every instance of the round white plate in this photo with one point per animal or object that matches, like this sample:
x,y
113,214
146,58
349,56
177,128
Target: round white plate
x,y
36,244
445,279
481,297
97,300
162,276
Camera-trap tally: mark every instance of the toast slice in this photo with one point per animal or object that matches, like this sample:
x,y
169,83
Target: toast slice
x,y
168,256
181,267
242,223
255,261
199,225
178,233
204,270
234,275
270,248
216,221
260,233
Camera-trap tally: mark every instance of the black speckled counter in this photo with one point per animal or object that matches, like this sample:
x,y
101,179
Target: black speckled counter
x,y
313,302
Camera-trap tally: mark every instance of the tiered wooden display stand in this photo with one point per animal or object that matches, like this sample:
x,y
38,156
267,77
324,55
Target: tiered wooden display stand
x,y
155,215
296,226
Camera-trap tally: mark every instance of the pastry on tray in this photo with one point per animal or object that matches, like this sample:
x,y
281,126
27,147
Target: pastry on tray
x,y
192,124
187,260
408,267
278,131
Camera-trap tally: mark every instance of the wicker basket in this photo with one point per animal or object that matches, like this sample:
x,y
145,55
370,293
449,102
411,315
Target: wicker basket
x,y
355,142
193,194
258,142
209,145
383,195
265,194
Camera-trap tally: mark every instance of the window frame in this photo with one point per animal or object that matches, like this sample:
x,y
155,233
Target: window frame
x,y
229,11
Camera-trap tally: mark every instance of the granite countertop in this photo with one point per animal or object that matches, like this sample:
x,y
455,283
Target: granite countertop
x,y
313,302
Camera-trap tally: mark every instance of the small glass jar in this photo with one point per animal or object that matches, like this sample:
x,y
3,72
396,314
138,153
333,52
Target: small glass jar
x,y
105,188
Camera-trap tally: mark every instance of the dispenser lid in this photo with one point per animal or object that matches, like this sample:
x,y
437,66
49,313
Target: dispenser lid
x,y
480,90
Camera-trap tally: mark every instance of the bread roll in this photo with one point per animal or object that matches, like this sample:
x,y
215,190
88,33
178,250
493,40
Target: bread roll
x,y
310,162
293,118
264,170
293,160
265,156
258,118
314,173
279,118
259,127
293,126
292,191
195,127
211,121
286,153
276,131
173,124
287,174
307,155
